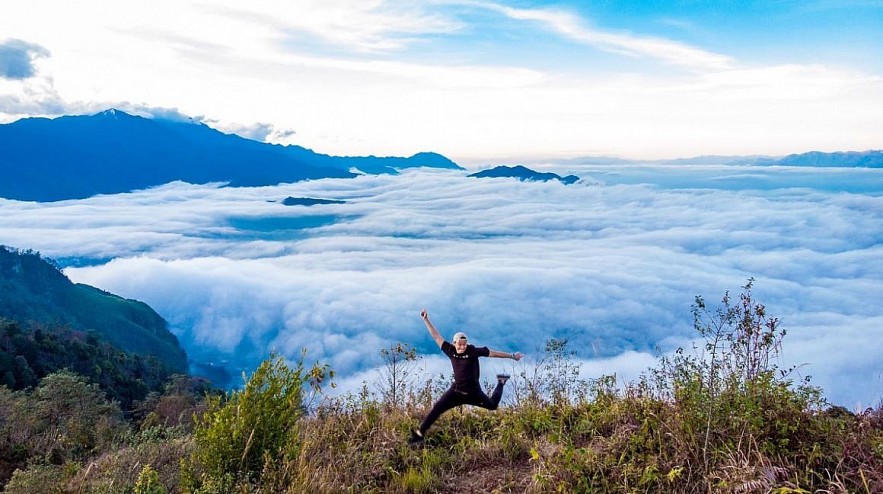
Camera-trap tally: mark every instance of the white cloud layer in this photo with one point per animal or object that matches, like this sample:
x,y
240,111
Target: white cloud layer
x,y
611,263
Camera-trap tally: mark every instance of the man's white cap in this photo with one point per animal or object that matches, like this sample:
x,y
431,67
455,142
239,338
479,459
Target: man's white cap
x,y
459,336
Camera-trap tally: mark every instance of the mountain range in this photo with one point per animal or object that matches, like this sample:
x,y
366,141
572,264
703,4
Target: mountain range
x,y
73,157
859,159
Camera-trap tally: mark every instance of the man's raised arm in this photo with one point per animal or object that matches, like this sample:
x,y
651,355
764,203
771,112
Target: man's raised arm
x,y
434,332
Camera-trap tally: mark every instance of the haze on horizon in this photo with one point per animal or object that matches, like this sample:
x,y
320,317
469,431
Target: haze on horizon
x,y
478,81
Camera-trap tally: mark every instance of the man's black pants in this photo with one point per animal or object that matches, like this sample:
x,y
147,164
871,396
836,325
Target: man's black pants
x,y
457,396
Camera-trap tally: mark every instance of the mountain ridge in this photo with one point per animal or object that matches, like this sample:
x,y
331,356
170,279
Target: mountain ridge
x,y
871,158
77,156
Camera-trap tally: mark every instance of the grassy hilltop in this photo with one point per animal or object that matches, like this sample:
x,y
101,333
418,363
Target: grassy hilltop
x,y
721,417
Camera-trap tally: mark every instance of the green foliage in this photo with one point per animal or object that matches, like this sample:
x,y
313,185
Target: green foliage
x,y
45,479
554,377
148,482
731,388
27,355
67,422
33,290
242,432
64,421
118,470
73,418
182,399
420,476
15,426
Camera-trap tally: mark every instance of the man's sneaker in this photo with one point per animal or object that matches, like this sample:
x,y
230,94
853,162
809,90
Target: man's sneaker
x,y
502,378
416,437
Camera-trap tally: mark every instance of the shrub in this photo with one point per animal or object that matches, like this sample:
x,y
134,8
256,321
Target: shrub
x,y
242,432
741,421
47,479
554,377
148,482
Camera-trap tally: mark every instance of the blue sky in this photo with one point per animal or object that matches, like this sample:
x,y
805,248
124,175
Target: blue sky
x,y
479,81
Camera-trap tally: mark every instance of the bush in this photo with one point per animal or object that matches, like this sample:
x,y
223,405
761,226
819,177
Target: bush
x,y
148,482
730,392
554,377
243,432
46,479
160,447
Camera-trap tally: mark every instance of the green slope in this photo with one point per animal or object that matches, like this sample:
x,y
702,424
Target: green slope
x,y
34,290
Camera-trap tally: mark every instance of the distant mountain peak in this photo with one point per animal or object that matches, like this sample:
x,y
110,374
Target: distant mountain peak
x,y
114,113
524,173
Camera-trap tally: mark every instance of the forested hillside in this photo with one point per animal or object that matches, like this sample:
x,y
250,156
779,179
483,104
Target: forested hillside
x,y
33,291
28,355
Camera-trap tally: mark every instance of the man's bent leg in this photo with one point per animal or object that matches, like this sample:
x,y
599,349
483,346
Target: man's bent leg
x,y
448,401
497,395
479,399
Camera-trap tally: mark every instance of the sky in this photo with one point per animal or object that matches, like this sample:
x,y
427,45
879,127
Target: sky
x,y
478,81
611,263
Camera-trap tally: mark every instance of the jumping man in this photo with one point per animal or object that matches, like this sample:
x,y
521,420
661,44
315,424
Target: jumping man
x,y
466,389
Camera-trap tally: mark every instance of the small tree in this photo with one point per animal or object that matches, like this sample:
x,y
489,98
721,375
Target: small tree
x,y
732,380
554,377
74,419
397,375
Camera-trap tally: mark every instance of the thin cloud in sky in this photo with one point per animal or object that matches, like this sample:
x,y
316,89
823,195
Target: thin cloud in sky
x,y
375,26
572,26
478,81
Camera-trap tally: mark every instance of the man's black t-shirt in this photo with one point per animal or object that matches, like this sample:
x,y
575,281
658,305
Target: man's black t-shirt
x,y
466,369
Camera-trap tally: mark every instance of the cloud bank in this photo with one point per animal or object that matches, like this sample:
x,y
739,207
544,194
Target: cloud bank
x,y
612,263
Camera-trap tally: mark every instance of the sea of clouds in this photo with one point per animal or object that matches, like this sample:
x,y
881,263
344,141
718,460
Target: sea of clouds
x,y
612,263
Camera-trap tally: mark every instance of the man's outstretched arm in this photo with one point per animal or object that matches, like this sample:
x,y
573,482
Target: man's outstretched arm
x,y
513,356
434,332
